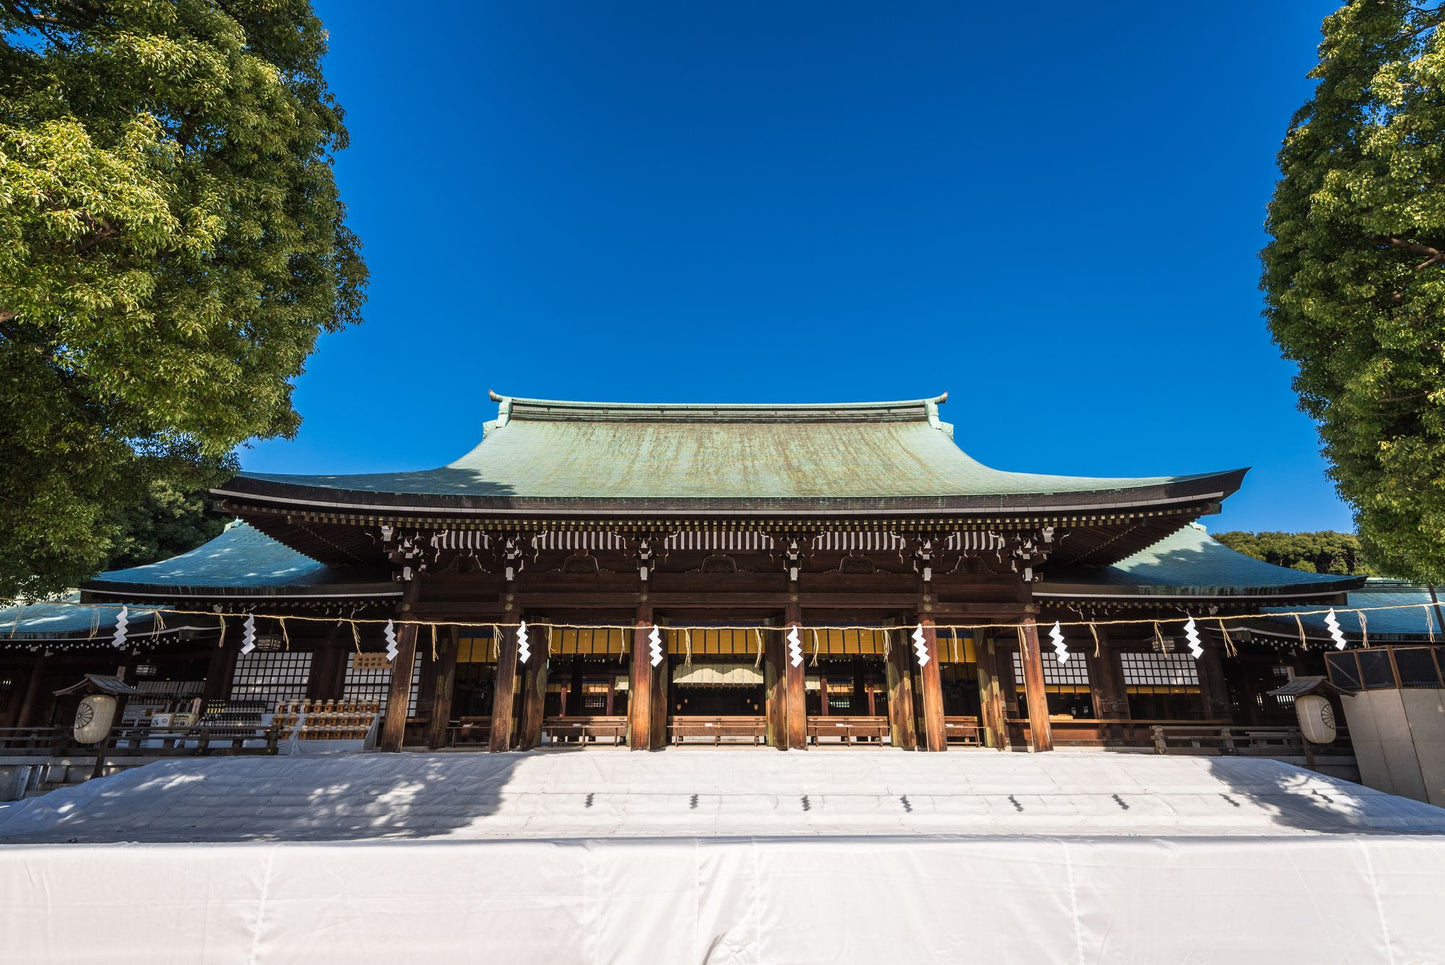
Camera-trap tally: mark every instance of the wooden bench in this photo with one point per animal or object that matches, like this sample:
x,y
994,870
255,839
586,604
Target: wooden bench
x,y
847,730
469,730
715,730
585,730
963,730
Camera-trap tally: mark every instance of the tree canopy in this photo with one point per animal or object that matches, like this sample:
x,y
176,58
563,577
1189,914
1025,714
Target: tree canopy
x,y
1322,552
1354,278
172,244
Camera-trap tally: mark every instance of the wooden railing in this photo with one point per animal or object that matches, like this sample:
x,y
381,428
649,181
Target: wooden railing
x,y
1174,736
141,741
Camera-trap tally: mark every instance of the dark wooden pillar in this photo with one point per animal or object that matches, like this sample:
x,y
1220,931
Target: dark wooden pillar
x,y
398,694
661,693
444,681
325,681
935,735
24,716
901,729
1212,686
505,686
1038,699
534,687
220,671
992,716
797,703
775,692
639,683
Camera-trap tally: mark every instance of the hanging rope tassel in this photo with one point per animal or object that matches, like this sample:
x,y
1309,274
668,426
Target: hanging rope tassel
x,y
759,661
355,635
687,646
1430,624
222,642
496,641
1364,629
1300,625
434,643
285,637
1229,649
1094,632
815,648
1158,637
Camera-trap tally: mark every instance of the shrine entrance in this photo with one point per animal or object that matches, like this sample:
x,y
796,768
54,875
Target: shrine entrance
x,y
715,687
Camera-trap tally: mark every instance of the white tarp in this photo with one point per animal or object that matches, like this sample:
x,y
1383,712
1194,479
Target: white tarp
x,y
722,856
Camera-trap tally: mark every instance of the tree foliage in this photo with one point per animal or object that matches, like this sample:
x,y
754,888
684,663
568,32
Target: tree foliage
x,y
1322,552
1354,277
171,245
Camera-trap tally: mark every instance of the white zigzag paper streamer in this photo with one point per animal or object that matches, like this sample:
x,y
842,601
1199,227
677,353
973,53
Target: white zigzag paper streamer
x,y
795,648
122,621
523,650
920,645
1061,649
654,645
1191,633
248,634
1336,634
391,648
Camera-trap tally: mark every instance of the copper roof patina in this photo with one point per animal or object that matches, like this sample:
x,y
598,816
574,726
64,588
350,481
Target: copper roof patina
x,y
1191,564
551,455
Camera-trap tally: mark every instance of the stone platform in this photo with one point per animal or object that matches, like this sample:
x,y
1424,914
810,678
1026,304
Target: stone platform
x,y
698,855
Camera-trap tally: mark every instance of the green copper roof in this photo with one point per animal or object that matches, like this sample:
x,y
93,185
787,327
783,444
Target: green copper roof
x,y
547,450
240,559
1191,563
1417,620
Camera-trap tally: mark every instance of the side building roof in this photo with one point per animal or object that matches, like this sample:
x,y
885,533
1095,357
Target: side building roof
x,y
241,562
1191,564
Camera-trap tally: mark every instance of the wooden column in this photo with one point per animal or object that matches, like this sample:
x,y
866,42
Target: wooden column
x,y
797,706
28,704
901,729
220,671
325,681
1038,700
1212,686
639,683
444,681
775,692
398,694
661,693
935,735
534,687
991,714
505,686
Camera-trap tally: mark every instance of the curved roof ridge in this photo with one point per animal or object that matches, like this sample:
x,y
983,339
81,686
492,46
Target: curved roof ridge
x,y
511,408
577,404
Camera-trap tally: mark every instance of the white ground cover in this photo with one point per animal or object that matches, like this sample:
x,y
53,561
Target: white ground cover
x,y
730,855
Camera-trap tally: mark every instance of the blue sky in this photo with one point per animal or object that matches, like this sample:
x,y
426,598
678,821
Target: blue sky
x,y
1051,211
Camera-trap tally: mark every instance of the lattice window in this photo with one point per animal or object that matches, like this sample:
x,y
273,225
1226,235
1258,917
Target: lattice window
x,y
1150,672
1066,678
269,677
374,683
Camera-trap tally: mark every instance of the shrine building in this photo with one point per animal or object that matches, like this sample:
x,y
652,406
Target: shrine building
x,y
787,575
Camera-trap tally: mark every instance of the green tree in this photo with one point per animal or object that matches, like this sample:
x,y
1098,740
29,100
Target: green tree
x,y
1354,277
171,245
1323,552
